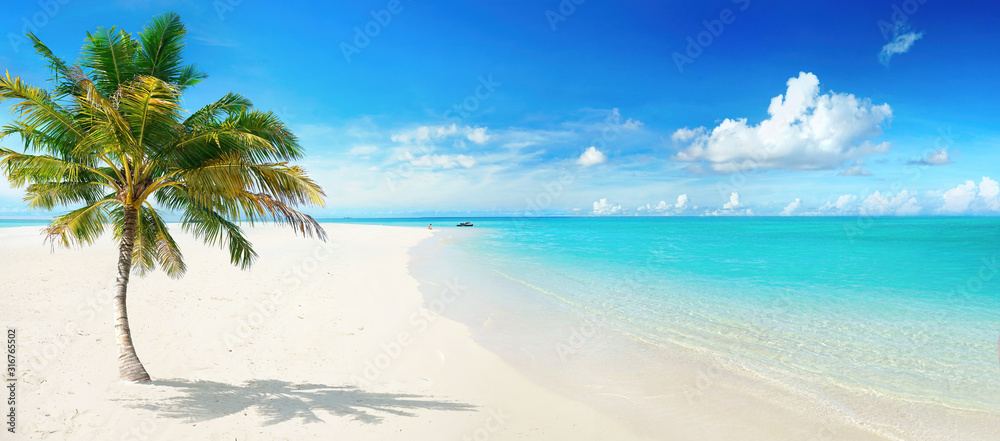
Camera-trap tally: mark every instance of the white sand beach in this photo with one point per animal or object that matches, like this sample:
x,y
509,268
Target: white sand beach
x,y
316,341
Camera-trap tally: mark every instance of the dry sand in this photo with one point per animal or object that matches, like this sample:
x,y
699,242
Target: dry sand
x,y
317,341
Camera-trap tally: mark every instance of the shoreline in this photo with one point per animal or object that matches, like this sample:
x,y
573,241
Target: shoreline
x,y
277,352
618,372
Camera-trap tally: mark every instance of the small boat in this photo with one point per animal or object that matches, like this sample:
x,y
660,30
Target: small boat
x,y
464,224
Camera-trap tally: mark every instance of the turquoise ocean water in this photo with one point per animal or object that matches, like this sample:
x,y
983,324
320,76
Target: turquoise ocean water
x,y
8,223
859,312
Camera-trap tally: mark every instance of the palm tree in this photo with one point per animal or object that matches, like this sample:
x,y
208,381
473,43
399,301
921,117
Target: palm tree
x,y
110,136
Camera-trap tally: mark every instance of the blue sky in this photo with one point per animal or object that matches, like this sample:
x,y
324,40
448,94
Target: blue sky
x,y
727,107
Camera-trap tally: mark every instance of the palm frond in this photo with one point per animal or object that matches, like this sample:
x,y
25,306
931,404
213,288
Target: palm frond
x,y
24,169
151,108
153,244
264,206
162,44
48,195
233,176
208,225
189,76
231,103
110,54
108,131
59,68
37,111
81,226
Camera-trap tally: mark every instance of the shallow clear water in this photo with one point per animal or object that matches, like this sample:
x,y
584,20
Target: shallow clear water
x,y
906,306
902,308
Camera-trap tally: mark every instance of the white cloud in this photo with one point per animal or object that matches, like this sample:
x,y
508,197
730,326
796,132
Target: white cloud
x,y
844,201
842,204
935,157
477,135
734,201
969,197
682,202
423,134
686,134
591,157
901,42
957,200
602,207
989,191
790,208
902,204
805,131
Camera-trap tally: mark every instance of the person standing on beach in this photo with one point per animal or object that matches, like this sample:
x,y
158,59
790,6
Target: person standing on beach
x,y
429,227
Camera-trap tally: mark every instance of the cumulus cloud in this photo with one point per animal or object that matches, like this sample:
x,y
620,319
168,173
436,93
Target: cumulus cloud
x,y
902,204
666,208
682,202
661,207
970,197
790,208
843,203
734,201
935,157
989,191
602,207
477,135
806,130
902,40
957,200
591,157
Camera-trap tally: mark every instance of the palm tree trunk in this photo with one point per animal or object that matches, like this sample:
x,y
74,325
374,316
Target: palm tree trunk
x,y
129,367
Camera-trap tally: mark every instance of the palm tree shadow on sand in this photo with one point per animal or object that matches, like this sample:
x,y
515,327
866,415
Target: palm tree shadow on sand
x,y
280,401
